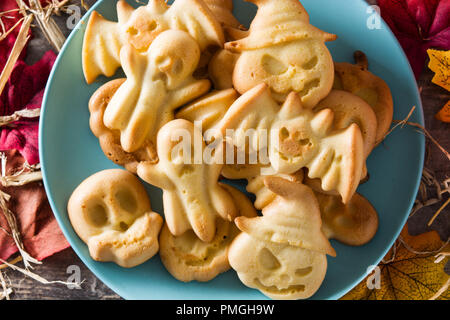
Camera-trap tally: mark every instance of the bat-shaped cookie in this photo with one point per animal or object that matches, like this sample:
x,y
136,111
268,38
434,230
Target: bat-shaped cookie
x,y
296,137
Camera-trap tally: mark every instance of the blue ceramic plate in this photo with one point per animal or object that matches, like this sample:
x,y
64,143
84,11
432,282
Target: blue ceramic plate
x,y
70,153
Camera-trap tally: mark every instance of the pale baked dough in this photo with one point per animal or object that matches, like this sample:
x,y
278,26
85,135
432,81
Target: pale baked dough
x,y
187,258
110,211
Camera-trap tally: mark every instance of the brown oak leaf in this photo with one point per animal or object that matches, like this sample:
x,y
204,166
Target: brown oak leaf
x,y
407,275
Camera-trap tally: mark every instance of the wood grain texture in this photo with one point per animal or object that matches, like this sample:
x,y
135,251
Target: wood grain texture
x,y
55,267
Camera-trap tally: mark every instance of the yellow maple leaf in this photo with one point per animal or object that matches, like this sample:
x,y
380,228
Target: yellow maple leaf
x,y
440,64
444,114
407,275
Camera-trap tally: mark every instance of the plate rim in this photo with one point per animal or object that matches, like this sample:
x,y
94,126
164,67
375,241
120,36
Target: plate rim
x,y
86,260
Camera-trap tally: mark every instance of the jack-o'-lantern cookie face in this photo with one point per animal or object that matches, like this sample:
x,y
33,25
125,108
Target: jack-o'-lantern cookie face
x,y
281,272
188,258
284,51
110,211
282,253
192,197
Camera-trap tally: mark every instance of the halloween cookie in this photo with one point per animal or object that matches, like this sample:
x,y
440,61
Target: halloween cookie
x,y
263,195
158,81
221,69
209,109
358,80
187,258
270,53
192,196
296,138
139,27
110,211
283,253
354,223
110,139
223,11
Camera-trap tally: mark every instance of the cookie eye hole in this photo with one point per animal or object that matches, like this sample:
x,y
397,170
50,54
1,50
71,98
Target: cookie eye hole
x,y
123,226
308,65
302,272
133,31
273,66
284,133
126,200
268,260
97,214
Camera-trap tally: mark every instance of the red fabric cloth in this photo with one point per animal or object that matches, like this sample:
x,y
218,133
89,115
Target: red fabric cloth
x,y
40,232
418,25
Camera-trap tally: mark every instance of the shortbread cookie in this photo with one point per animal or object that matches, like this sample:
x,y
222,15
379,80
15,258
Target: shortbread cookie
x,y
139,27
187,258
354,223
279,271
349,108
263,195
297,138
221,69
270,53
158,82
283,253
209,109
110,139
292,218
361,82
110,211
192,197
223,11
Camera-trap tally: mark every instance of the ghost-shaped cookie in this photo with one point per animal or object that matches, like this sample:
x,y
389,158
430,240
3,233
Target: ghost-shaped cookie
x,y
296,137
283,50
192,197
158,81
104,39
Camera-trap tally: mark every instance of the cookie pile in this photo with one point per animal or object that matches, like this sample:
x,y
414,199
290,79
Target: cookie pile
x,y
206,100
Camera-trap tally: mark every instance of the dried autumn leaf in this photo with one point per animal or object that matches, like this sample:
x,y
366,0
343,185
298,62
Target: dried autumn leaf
x,y
440,64
418,26
408,275
39,229
444,114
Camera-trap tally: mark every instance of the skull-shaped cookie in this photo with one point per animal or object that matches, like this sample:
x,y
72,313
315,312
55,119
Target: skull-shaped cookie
x,y
188,258
284,51
139,27
110,211
296,138
192,197
282,253
158,82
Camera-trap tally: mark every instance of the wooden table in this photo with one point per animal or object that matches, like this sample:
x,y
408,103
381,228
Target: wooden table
x,y
56,267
